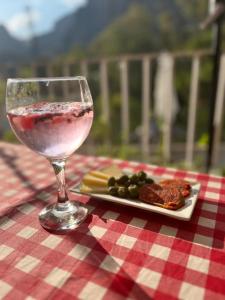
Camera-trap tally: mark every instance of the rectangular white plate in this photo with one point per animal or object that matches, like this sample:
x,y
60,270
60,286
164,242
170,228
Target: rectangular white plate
x,y
184,213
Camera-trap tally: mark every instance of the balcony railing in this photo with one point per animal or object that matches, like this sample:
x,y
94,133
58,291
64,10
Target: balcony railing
x,y
146,60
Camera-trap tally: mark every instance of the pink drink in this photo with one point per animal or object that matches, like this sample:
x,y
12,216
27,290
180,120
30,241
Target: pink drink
x,y
54,130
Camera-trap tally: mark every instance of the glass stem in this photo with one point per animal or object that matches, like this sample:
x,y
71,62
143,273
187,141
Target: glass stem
x,y
59,169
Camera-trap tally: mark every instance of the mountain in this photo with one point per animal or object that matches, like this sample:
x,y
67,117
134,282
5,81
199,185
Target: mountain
x,y
87,23
148,26
82,26
79,27
11,49
133,32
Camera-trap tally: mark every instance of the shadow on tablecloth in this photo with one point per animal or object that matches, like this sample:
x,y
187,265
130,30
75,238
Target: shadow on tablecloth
x,y
106,269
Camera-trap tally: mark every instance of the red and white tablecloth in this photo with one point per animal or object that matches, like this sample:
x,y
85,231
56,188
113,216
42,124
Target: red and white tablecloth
x,y
119,252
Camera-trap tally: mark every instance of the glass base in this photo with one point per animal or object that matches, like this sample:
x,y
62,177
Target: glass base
x,y
62,217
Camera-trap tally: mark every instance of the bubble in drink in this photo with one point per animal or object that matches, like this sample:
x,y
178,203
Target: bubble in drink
x,y
54,130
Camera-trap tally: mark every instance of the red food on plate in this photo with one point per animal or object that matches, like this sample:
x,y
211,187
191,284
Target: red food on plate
x,y
148,193
173,198
166,197
183,186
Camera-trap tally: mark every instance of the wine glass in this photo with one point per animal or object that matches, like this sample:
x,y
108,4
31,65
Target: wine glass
x,y
52,116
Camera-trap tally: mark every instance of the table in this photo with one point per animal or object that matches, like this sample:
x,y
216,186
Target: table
x,y
119,252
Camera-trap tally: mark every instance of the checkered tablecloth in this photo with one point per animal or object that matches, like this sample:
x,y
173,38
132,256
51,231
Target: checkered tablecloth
x,y
119,252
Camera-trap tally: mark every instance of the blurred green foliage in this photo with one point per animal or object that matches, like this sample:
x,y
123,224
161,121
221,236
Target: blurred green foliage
x,y
129,34
9,136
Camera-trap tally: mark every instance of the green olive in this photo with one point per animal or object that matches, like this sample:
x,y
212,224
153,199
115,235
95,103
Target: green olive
x,y
149,180
133,191
128,183
141,175
134,178
122,179
141,183
113,190
122,192
111,181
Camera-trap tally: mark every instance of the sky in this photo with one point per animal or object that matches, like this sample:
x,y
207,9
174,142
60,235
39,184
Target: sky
x,y
42,14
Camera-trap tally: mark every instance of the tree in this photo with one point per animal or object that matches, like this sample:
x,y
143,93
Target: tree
x,y
132,33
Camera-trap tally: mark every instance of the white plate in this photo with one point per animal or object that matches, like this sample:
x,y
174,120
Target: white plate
x,y
184,213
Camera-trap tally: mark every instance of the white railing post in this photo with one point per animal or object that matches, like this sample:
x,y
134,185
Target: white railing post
x,y
125,101
168,121
66,73
50,74
84,68
218,116
34,73
104,92
146,101
190,142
